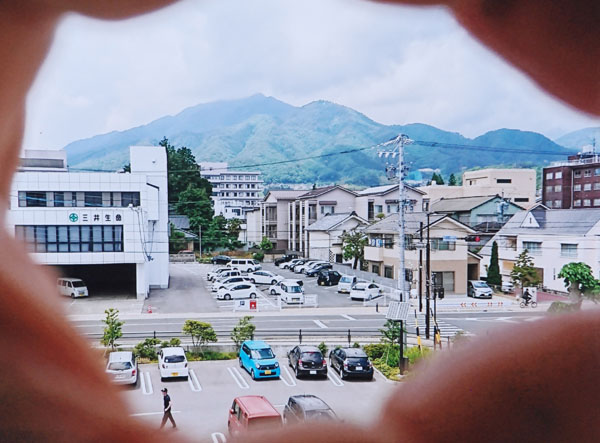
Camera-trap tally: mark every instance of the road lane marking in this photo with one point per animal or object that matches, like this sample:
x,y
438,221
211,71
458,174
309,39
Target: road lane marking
x,y
533,318
347,317
238,378
193,381
218,437
146,384
334,379
143,414
320,324
292,382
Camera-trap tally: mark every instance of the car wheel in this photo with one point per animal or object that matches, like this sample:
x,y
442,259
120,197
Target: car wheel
x,y
343,375
273,292
297,372
186,378
369,297
253,295
252,374
370,378
72,295
273,282
162,379
252,280
241,364
227,297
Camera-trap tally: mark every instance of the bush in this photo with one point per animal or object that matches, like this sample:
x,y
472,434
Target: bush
x,y
390,372
323,348
174,342
375,350
260,256
356,345
210,355
147,348
560,307
414,354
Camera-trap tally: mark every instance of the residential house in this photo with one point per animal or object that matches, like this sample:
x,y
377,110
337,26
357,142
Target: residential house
x,y
477,211
377,200
452,264
275,213
325,235
553,238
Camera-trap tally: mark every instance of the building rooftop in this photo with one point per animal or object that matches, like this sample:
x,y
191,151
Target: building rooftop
x,y
553,222
332,220
460,204
385,189
286,194
180,221
325,189
412,223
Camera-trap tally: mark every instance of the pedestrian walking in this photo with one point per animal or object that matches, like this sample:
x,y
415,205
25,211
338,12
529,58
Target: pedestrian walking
x,y
167,412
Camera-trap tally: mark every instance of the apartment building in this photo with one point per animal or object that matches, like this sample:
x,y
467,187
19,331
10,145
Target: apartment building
x,y
383,201
325,235
234,192
110,229
553,238
275,210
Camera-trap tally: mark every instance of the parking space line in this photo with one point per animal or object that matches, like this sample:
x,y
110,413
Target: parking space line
x,y
332,376
238,378
146,384
347,317
290,383
193,381
142,414
320,324
218,437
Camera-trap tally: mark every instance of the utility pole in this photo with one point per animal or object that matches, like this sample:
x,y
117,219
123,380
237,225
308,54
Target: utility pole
x,y
427,282
200,239
421,268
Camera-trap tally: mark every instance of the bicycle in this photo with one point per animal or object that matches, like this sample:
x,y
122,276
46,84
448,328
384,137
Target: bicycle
x,y
531,303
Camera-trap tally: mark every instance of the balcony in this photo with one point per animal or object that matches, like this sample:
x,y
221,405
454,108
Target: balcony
x,y
373,253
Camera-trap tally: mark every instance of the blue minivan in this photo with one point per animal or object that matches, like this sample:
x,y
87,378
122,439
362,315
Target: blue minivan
x,y
258,359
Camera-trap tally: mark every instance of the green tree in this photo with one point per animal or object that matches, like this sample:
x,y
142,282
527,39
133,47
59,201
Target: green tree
x,y
201,333
244,330
265,245
113,329
127,167
437,178
147,348
493,272
391,334
176,240
353,246
183,171
524,273
197,206
579,280
452,180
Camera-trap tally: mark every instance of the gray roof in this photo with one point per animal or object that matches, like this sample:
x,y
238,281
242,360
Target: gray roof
x,y
180,221
460,204
554,222
286,194
320,191
412,223
332,220
385,189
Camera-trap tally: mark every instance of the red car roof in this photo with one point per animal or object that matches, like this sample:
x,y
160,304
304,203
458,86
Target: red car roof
x,y
257,406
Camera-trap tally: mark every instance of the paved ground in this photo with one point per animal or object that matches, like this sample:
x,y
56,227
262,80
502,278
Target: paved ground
x,y
201,404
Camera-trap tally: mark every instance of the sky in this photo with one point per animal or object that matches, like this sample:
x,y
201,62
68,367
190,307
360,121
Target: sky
x,y
397,65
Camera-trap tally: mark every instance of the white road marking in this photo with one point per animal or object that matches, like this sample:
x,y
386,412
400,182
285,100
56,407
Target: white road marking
x,y
238,378
142,414
292,382
218,437
347,317
533,318
193,381
146,384
320,324
332,376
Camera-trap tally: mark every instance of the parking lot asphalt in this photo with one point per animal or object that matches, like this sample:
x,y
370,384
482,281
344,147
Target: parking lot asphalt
x,y
201,404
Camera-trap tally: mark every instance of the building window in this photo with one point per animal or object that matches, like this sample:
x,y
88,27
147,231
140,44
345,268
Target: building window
x,y
597,202
130,198
557,204
388,241
59,199
577,174
587,187
587,202
549,176
521,199
444,279
558,175
549,203
388,271
34,200
425,205
327,209
533,247
438,244
597,171
577,188
587,173
74,238
597,186
504,180
549,189
378,209
375,269
558,188
568,250
577,203
93,199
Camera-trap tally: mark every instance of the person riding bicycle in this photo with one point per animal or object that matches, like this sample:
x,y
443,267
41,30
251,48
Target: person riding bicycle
x,y
526,297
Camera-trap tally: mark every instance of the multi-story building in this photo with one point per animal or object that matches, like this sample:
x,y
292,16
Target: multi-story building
x,y
275,210
573,184
234,192
383,200
325,236
106,228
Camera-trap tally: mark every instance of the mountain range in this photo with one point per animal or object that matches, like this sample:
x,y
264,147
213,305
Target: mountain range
x,y
260,129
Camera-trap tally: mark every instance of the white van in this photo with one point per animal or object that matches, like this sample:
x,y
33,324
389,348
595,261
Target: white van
x,y
346,283
289,290
72,287
244,264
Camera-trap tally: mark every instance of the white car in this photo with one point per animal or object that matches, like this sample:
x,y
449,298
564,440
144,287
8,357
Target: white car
x,y
237,290
221,283
346,283
303,267
122,368
478,289
290,264
365,291
213,274
244,264
306,266
72,287
289,290
172,362
264,278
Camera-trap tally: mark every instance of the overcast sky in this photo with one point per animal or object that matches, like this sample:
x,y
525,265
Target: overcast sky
x,y
394,64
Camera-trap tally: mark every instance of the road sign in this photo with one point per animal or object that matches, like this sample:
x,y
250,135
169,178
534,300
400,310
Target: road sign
x,y
449,238
398,311
253,305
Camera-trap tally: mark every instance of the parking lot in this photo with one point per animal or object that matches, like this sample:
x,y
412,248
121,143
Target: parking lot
x,y
201,404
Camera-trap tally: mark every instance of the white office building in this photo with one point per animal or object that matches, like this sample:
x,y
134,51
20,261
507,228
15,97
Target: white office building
x,y
110,229
234,192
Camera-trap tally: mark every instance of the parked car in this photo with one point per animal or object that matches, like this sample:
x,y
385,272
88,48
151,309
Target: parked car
x,y
212,275
297,265
346,282
172,362
307,360
257,357
250,413
237,290
289,290
328,277
221,283
351,362
307,407
244,264
301,269
226,274
220,260
365,291
72,287
122,368
314,271
508,287
290,264
264,278
285,258
478,289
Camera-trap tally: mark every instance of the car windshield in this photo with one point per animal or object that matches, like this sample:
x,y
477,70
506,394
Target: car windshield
x,y
174,359
264,423
359,361
345,279
323,414
119,365
480,284
312,356
78,284
261,354
293,289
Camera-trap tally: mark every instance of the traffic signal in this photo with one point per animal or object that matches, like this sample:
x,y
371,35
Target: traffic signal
x,y
438,291
473,238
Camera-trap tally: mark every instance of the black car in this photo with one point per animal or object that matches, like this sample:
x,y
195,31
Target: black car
x,y
328,277
285,258
307,360
220,260
351,362
314,271
302,408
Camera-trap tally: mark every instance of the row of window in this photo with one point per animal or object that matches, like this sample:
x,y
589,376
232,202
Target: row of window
x,y
39,199
387,241
236,186
79,238
576,188
230,177
576,173
239,194
566,249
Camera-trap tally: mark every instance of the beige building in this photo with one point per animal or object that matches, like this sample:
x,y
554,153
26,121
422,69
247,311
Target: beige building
x,y
451,262
325,235
275,212
518,185
384,200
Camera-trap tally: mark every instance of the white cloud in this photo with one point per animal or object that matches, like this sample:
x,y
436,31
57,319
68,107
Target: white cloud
x,y
397,65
